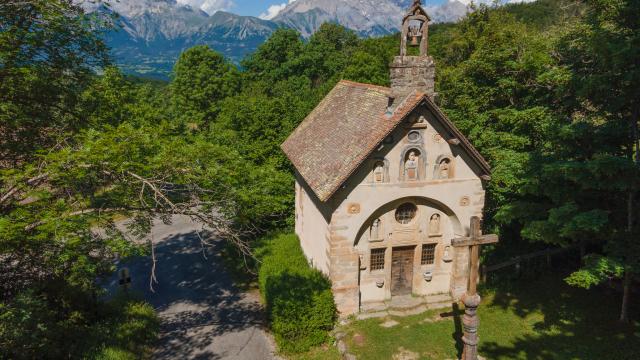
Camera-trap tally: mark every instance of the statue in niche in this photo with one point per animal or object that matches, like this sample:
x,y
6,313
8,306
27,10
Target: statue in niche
x,y
411,166
434,224
363,264
375,229
378,172
444,169
446,257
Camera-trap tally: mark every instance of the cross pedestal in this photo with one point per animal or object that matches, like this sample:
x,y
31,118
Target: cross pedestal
x,y
471,299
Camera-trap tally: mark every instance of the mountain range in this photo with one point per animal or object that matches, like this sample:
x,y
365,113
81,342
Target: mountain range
x,y
150,34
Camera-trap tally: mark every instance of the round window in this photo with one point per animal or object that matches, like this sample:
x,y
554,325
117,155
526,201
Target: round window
x,y
405,213
414,136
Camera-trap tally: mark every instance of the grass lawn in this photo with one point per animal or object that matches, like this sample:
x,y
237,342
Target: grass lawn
x,y
322,352
540,319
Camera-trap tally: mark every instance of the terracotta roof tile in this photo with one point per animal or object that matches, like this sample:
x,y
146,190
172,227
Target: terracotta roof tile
x,y
345,128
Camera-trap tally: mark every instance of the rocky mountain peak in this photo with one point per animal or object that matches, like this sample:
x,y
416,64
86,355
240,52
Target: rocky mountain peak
x,y
367,17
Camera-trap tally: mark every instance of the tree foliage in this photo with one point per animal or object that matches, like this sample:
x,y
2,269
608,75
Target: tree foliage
x,y
48,52
546,91
202,79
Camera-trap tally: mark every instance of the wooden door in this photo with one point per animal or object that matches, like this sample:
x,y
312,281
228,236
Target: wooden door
x,y
402,270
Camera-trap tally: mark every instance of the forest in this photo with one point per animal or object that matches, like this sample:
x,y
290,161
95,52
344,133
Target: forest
x,y
547,91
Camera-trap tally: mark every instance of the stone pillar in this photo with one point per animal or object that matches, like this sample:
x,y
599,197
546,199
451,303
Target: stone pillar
x,y
409,73
344,270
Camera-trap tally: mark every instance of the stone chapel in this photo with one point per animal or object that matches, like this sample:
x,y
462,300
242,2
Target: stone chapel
x,y
384,182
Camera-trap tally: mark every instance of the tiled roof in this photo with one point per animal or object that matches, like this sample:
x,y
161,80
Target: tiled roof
x,y
346,127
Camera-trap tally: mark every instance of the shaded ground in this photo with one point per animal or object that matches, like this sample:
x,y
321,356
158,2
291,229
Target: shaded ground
x,y
538,319
203,316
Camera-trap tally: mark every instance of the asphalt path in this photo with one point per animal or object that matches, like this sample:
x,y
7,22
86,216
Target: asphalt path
x,y
203,316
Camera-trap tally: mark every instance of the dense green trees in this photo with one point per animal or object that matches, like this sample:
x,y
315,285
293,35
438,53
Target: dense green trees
x,y
546,91
556,114
202,79
597,152
48,51
79,149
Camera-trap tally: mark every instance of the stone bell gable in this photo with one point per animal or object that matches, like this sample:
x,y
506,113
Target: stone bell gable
x,y
384,182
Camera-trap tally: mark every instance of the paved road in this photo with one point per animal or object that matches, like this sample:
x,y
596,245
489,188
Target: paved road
x,y
202,315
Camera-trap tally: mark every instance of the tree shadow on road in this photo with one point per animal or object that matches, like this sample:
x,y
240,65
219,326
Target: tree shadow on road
x,y
194,296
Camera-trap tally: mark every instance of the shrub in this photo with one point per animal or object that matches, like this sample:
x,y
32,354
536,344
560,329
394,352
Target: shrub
x,y
111,353
121,328
298,298
128,331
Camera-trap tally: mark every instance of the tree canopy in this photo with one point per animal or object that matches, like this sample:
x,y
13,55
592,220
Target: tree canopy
x,y
546,91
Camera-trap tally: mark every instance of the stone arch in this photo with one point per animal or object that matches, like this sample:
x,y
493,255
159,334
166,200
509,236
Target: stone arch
x,y
365,225
422,162
415,14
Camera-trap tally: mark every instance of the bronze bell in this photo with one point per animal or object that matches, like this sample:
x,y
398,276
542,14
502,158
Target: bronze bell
x,y
414,40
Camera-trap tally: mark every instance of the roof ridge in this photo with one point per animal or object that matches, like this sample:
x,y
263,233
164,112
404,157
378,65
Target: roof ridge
x,y
404,101
383,89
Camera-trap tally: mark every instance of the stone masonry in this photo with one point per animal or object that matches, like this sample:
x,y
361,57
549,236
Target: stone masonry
x,y
413,73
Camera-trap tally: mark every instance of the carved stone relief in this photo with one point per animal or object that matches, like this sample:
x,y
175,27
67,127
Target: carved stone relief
x,y
444,169
465,201
375,233
411,166
378,172
434,225
353,208
414,136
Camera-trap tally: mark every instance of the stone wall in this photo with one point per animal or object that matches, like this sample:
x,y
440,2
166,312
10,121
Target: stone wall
x,y
361,200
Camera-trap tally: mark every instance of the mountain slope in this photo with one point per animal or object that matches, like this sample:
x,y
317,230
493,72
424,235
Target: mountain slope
x,y
366,17
150,35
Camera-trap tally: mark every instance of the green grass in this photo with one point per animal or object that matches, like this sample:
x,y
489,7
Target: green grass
x,y
323,352
128,331
541,319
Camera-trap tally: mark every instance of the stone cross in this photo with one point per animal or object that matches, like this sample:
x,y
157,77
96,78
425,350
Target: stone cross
x,y
471,299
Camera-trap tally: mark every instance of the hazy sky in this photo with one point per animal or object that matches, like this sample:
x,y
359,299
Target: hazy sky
x,y
263,8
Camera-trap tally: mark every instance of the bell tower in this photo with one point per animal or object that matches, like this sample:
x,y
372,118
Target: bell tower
x,y
409,73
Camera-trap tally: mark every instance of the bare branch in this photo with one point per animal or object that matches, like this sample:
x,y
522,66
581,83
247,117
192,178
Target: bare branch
x,y
12,191
152,277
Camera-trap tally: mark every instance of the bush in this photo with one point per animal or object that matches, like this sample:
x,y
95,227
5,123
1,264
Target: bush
x,y
128,330
31,328
298,298
112,353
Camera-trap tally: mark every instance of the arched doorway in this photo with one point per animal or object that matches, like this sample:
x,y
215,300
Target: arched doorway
x,y
405,248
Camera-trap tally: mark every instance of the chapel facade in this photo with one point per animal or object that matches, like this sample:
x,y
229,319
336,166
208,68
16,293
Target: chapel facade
x,y
384,182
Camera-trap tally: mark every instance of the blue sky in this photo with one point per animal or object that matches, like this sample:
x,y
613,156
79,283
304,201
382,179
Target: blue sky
x,y
253,7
